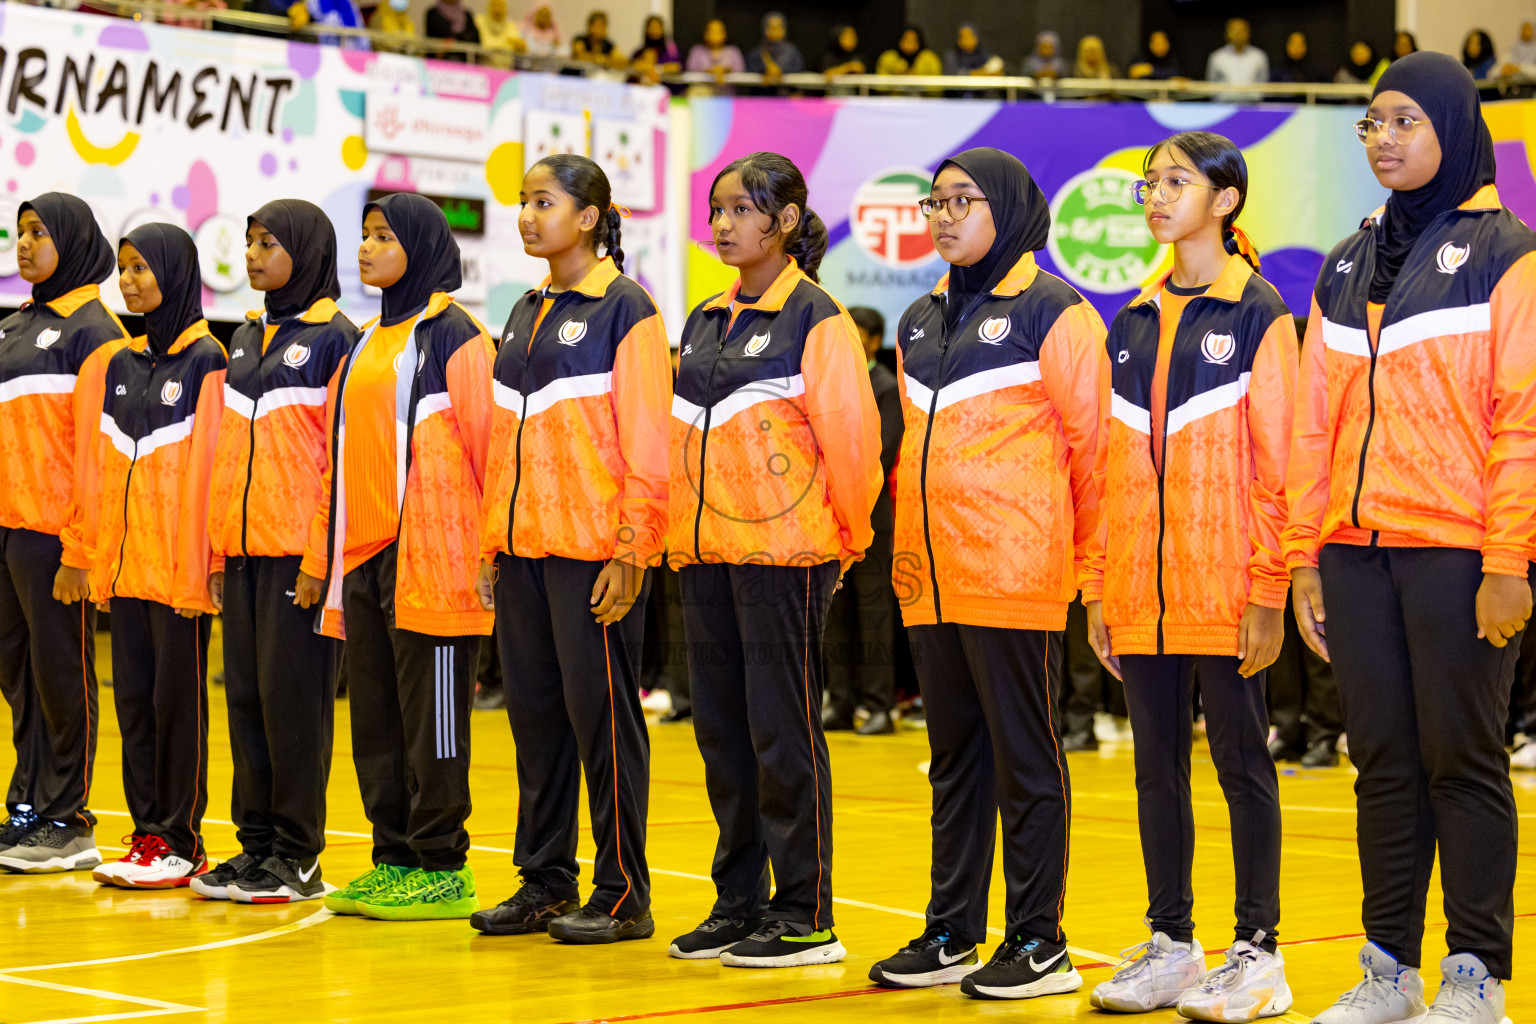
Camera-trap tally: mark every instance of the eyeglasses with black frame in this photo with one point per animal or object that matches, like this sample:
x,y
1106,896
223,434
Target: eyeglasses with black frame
x,y
1168,189
958,206
1399,128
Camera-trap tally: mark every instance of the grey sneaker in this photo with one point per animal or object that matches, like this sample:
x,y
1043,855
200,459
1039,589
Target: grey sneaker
x,y
1468,994
1389,994
53,846
1153,975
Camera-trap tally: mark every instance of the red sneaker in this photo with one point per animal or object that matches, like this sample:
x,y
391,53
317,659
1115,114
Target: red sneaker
x,y
110,873
160,867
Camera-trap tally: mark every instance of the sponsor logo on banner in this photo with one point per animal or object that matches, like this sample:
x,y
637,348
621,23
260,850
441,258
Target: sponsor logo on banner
x,y
296,356
1099,239
757,344
1452,257
170,392
45,339
572,331
1217,348
221,252
994,330
885,220
426,126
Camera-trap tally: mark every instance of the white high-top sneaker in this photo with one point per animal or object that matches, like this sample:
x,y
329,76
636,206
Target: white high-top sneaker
x,y
1249,985
1468,994
1388,994
1152,976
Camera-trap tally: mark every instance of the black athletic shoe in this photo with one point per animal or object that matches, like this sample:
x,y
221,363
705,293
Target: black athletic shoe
x,y
879,723
932,958
22,820
1023,968
530,909
784,944
1077,742
712,938
214,885
1320,755
591,926
279,880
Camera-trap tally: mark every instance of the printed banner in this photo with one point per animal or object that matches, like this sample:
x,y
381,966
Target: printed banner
x,y
151,123
868,162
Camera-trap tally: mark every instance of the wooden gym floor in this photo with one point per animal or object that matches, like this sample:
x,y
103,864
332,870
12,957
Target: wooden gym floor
x,y
71,950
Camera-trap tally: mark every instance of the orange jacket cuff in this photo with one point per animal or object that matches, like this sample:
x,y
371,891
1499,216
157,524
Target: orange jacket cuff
x,y
1505,563
1266,594
313,565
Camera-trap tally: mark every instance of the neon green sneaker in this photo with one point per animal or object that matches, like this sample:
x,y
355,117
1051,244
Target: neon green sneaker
x,y
425,896
385,876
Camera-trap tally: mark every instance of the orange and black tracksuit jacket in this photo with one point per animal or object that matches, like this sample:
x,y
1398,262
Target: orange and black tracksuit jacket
x,y
994,496
53,362
1191,471
158,428
1416,420
274,439
415,480
583,389
775,434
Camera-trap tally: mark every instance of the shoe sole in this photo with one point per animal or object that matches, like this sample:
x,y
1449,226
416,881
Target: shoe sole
x,y
944,976
699,954
108,875
343,907
599,939
209,891
74,862
284,894
1099,1002
828,954
458,910
1050,985
1278,1003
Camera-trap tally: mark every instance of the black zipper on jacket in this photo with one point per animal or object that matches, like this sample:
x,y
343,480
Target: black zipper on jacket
x,y
1161,465
122,545
1365,441
250,452
933,403
709,392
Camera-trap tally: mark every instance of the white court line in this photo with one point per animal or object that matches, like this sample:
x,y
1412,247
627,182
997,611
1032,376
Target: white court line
x,y
159,1008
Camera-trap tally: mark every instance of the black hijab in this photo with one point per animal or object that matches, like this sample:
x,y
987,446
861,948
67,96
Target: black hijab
x,y
172,258
85,255
1019,211
431,254
307,233
1448,95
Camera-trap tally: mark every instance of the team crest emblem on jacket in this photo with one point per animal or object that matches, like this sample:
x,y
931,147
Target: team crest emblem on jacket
x,y
757,344
47,338
1217,348
994,330
170,393
296,356
572,331
1451,257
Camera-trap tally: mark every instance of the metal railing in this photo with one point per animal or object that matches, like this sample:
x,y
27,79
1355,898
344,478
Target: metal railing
x,y
1010,88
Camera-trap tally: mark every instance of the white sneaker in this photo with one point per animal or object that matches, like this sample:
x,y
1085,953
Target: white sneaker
x,y
1389,994
1468,994
1152,975
1524,759
1250,984
160,867
112,871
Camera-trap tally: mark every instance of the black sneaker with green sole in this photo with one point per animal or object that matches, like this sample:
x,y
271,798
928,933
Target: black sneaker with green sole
x,y
784,944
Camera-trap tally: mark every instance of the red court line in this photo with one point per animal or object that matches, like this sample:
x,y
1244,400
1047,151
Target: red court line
x,y
723,1007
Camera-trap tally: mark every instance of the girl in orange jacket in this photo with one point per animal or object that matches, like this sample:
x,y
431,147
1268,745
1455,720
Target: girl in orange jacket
x,y
53,359
775,467
575,514
164,395
1185,578
401,529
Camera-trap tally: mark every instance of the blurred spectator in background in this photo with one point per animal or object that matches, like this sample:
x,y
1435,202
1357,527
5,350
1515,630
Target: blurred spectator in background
x,y
774,55
1403,44
1045,61
498,34
1092,61
1296,64
449,20
1156,62
541,32
1477,54
970,56
1522,56
1239,62
910,57
842,56
194,5
657,51
392,17
1303,704
1361,66
594,45
716,54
